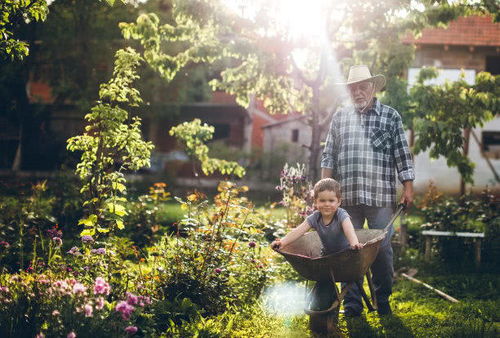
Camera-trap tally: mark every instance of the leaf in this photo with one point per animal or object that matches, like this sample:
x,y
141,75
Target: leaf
x,y
87,232
89,221
119,224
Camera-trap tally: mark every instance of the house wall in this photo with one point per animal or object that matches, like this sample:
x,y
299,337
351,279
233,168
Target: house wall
x,y
278,141
454,56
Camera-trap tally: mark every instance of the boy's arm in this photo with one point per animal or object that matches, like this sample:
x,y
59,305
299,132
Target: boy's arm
x,y
291,236
351,234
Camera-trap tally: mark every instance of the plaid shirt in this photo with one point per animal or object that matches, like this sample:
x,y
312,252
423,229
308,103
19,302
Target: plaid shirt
x,y
365,150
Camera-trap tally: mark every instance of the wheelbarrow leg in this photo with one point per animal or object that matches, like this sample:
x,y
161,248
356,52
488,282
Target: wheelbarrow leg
x,y
372,289
326,321
372,306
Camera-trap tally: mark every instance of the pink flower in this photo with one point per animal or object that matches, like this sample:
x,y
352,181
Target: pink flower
x,y
79,288
71,335
99,304
101,287
217,270
40,335
55,313
125,309
88,310
131,329
132,299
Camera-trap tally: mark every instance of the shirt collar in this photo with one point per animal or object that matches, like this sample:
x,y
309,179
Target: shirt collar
x,y
376,106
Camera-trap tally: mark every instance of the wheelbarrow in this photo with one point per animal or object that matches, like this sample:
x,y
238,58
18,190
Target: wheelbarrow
x,y
349,267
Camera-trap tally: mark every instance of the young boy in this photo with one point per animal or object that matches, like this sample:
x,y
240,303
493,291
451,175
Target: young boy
x,y
334,228
332,223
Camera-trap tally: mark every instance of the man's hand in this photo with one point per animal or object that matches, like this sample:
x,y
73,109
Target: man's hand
x,y
407,195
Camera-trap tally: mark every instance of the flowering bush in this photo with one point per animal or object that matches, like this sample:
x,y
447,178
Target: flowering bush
x,y
214,258
46,305
296,190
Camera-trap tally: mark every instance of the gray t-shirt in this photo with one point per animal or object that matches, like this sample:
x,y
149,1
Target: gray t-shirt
x,y
331,235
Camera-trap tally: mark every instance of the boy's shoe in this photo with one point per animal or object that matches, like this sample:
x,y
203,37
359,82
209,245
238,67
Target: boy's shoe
x,y
349,312
384,309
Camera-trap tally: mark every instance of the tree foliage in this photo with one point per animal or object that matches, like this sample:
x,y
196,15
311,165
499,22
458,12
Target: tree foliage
x,y
193,136
111,145
12,14
441,112
256,54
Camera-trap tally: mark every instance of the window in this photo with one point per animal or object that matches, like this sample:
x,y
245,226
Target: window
x,y
222,131
493,64
295,135
491,144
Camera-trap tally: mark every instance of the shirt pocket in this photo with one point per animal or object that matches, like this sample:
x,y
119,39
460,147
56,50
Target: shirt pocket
x,y
381,140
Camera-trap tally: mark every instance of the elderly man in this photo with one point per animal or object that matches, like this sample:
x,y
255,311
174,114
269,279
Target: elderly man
x,y
365,147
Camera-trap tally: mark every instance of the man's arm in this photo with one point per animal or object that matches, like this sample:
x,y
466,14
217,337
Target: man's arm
x,y
407,195
404,162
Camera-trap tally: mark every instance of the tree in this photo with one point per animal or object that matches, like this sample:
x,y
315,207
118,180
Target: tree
x,y
111,144
257,54
442,112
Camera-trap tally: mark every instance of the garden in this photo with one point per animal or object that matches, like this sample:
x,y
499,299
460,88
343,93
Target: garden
x,y
99,248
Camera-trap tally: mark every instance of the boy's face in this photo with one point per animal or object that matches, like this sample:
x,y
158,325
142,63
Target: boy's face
x,y
327,202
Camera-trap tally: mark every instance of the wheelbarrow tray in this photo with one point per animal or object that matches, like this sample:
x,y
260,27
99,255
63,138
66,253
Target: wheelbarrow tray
x,y
304,255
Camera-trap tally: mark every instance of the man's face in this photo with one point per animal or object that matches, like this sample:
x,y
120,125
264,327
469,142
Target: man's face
x,y
361,94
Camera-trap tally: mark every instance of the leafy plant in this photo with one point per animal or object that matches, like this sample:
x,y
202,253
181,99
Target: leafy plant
x,y
193,136
110,145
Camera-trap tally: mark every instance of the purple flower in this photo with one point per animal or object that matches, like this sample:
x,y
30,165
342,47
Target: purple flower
x,y
101,287
125,309
75,251
217,270
131,329
99,251
54,232
251,244
40,335
87,239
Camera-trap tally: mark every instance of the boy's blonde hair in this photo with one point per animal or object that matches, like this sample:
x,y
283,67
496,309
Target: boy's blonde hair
x,y
327,184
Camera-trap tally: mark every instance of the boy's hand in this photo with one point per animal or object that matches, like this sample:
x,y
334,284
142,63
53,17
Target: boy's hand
x,y
276,244
357,246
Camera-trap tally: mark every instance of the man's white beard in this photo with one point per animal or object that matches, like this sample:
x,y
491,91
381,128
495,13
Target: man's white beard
x,y
360,106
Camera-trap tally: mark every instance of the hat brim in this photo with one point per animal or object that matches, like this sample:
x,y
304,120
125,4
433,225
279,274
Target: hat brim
x,y
378,80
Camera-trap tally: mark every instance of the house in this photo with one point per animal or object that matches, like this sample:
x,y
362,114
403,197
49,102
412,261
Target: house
x,y
469,45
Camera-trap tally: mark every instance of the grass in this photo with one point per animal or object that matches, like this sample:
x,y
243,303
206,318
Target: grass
x,y
418,312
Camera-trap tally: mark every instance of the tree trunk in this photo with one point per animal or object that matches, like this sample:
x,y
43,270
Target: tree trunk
x,y
314,148
466,153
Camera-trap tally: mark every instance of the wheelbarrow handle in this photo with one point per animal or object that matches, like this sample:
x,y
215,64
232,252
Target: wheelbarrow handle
x,y
401,207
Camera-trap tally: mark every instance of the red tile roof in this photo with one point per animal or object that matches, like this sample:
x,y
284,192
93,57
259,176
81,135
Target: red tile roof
x,y
465,31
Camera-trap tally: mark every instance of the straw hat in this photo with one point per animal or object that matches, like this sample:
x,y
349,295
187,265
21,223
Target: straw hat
x,y
361,73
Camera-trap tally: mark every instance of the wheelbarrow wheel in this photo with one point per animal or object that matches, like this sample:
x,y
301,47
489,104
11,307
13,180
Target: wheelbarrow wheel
x,y
324,323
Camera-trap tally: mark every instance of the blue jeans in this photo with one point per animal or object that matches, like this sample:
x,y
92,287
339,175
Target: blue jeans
x,y
382,268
